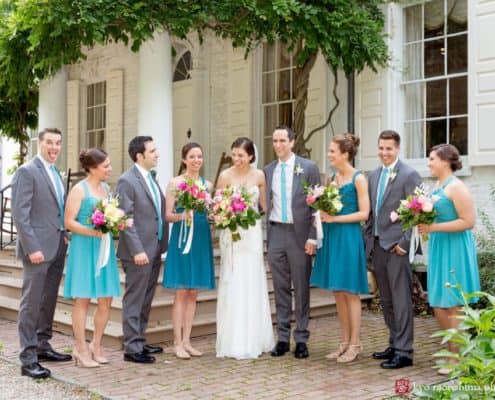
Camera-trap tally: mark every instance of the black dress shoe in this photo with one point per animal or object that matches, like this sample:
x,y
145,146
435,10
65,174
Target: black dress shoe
x,y
301,351
396,362
149,349
388,354
35,371
139,358
280,349
52,355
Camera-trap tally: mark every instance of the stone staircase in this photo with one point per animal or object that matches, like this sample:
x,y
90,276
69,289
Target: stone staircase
x,y
160,323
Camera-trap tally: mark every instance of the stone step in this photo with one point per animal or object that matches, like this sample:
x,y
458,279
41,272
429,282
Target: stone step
x,y
322,304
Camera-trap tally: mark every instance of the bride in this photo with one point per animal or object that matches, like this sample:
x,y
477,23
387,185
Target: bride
x,y
244,324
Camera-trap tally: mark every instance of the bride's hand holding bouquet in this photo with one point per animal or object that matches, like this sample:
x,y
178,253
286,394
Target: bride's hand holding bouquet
x,y
232,210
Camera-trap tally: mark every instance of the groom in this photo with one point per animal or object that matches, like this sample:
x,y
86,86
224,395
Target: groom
x,y
291,238
389,245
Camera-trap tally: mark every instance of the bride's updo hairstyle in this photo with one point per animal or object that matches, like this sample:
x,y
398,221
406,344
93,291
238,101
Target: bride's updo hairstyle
x,y
449,153
91,158
247,145
348,143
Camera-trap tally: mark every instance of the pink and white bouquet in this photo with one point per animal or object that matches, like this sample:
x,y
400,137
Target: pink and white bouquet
x,y
324,198
192,195
232,209
416,209
107,217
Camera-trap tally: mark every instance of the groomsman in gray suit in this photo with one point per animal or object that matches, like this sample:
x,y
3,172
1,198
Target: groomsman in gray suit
x,y
38,200
291,238
140,247
389,245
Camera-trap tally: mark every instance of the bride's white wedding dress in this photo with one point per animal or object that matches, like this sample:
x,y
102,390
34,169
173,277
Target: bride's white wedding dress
x,y
244,323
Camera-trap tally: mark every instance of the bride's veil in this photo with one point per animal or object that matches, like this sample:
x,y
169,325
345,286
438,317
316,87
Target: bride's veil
x,y
254,164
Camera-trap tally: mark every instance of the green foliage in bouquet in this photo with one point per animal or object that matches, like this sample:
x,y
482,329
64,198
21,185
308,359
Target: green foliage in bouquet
x,y
323,198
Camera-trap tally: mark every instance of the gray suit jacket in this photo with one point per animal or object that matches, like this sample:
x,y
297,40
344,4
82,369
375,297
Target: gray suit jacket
x,y
36,211
136,199
301,212
398,188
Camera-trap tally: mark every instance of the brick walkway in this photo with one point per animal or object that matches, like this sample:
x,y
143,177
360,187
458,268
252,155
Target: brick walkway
x,y
265,378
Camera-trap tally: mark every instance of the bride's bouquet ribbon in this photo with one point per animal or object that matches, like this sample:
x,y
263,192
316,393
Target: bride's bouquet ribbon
x,y
319,229
103,253
185,235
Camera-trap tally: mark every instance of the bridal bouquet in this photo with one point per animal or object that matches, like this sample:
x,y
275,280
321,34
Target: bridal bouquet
x,y
232,209
191,196
108,218
416,209
324,198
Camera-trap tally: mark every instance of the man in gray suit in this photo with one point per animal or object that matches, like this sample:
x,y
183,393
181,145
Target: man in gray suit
x,y
37,207
140,247
388,245
291,238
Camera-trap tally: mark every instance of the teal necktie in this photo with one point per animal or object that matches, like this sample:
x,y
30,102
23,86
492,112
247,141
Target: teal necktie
x,y
283,192
381,189
157,206
60,192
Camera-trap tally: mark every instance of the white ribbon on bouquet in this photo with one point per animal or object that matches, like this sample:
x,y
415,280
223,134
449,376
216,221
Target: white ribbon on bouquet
x,y
415,242
103,253
319,229
185,236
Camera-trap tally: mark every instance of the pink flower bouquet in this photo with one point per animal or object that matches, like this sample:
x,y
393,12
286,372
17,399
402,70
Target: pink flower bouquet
x,y
323,198
416,209
192,195
232,210
107,217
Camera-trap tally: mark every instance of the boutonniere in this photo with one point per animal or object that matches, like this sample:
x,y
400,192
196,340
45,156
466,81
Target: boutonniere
x,y
298,170
392,174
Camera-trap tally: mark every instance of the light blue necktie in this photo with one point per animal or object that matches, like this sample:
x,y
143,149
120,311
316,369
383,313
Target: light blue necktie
x,y
381,188
60,192
283,192
157,206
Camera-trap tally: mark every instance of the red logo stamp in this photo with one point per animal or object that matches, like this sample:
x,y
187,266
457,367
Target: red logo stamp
x,y
402,386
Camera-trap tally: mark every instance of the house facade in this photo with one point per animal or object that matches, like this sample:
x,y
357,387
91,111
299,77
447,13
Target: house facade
x,y
439,87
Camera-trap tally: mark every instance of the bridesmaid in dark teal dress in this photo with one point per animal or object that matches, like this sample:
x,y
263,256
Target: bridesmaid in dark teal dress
x,y
340,264
82,280
187,273
452,250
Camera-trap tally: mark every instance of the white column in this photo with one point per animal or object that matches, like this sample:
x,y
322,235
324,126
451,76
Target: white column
x,y
155,100
52,107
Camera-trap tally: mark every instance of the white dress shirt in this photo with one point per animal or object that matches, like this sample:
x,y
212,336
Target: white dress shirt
x,y
146,179
276,212
390,168
47,166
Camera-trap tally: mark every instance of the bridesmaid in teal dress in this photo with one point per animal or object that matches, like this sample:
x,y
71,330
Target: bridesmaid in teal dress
x,y
452,249
82,280
340,264
187,273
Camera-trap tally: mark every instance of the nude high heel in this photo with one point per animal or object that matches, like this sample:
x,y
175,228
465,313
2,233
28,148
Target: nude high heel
x,y
82,361
98,359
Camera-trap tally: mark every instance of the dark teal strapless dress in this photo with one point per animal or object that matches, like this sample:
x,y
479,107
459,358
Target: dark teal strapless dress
x,y
340,264
451,258
80,276
194,270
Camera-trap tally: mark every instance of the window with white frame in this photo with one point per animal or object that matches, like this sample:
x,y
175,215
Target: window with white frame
x,y
435,83
277,93
96,114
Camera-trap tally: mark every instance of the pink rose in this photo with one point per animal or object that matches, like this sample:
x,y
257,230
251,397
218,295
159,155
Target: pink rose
x,y
182,186
427,206
310,199
129,223
98,218
394,216
121,226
